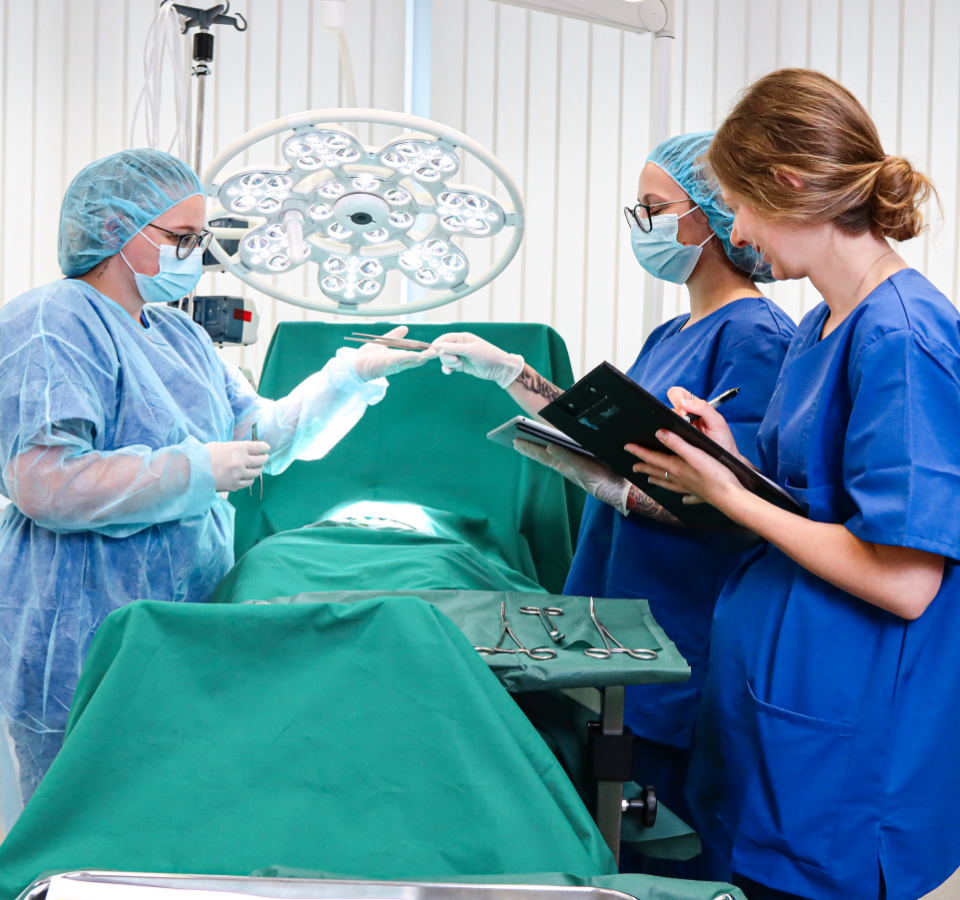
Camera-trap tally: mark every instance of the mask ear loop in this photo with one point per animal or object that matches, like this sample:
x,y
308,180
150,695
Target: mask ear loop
x,y
687,213
132,236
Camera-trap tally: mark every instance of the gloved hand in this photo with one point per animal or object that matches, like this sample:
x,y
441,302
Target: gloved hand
x,y
236,464
376,361
595,478
465,352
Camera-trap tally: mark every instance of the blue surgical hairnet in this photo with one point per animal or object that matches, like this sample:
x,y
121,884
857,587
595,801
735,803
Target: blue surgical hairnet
x,y
683,159
113,198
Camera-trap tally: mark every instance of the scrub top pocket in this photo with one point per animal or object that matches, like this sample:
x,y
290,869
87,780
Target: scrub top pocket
x,y
788,782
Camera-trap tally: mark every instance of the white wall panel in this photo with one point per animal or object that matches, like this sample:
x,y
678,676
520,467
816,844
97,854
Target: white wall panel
x,y
565,105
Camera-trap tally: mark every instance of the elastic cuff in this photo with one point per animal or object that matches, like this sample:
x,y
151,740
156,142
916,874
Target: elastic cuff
x,y
512,367
622,507
344,377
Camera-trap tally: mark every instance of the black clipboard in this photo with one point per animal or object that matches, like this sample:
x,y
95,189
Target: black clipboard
x,y
605,410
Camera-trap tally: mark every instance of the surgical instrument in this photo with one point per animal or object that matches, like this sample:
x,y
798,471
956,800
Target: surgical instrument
x,y
393,343
253,434
607,651
545,612
505,631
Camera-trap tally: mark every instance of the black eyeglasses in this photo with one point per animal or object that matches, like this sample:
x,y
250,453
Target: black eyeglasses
x,y
641,215
187,243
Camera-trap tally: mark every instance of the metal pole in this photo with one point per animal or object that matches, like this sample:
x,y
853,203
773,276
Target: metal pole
x,y
610,793
417,87
661,89
201,74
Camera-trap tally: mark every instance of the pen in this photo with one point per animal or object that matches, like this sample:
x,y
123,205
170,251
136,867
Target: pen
x,y
715,402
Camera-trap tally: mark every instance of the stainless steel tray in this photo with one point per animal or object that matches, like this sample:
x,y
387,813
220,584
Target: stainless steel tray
x,y
323,889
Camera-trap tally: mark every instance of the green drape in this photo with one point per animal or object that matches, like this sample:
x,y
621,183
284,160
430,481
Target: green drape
x,y
425,443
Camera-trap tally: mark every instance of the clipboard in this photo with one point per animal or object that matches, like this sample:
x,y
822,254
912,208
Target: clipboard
x,y
605,410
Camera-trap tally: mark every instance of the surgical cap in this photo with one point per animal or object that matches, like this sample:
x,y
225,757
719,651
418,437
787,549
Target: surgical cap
x,y
113,198
683,159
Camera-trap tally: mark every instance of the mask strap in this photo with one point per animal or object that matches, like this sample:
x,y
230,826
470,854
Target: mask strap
x,y
711,236
141,231
127,261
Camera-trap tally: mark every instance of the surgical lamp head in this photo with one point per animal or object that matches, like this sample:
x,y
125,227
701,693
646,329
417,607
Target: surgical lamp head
x,y
683,158
111,199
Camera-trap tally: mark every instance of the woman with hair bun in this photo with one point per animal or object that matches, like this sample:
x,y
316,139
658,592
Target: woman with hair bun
x,y
824,762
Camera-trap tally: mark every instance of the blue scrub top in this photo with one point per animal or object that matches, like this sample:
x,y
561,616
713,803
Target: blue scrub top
x,y
828,739
681,572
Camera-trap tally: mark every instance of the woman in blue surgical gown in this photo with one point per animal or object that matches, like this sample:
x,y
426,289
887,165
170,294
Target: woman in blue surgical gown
x,y
119,425
824,762
628,545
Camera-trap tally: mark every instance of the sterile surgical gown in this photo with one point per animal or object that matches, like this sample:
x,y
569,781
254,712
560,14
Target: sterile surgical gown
x,y
103,426
680,571
827,745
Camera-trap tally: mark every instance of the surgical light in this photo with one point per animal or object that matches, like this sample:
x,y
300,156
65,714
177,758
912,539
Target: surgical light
x,y
360,212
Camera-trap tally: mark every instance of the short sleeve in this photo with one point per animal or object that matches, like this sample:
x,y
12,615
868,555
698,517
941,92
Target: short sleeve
x,y
901,462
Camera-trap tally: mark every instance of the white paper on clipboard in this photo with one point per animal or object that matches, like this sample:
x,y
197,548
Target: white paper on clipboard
x,y
524,429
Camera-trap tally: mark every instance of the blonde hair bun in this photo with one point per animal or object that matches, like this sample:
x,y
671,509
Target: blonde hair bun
x,y
898,193
797,125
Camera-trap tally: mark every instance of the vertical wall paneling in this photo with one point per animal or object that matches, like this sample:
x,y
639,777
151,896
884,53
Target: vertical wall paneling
x,y
564,105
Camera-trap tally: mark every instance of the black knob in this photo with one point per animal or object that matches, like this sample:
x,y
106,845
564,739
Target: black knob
x,y
645,806
361,218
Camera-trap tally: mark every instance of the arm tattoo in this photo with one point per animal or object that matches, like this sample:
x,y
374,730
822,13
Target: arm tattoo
x,y
537,384
639,504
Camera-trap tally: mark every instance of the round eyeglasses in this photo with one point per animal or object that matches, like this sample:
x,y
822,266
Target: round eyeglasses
x,y
187,243
641,215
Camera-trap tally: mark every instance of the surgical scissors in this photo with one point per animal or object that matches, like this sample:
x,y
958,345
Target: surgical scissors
x,y
545,612
505,630
607,651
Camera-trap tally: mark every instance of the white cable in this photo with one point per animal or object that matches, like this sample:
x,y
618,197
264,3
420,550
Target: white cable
x,y
164,38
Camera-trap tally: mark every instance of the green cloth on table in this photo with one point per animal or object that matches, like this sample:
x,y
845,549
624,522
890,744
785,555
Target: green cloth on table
x,y
477,615
425,443
643,887
367,738
329,557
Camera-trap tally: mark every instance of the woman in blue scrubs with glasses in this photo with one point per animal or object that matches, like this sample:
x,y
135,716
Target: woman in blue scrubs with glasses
x,y
629,546
824,762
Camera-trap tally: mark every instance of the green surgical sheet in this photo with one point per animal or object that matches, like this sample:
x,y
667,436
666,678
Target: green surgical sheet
x,y
367,739
477,615
425,443
329,557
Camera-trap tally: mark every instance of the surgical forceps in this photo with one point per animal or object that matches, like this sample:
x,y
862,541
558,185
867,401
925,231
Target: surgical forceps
x,y
545,612
607,651
253,436
505,630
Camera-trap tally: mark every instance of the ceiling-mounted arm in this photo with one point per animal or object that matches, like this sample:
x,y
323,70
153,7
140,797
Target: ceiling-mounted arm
x,y
646,16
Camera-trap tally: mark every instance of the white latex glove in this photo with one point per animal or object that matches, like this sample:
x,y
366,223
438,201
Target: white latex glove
x,y
236,464
375,361
465,352
595,478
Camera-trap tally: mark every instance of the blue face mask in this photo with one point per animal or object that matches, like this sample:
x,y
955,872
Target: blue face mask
x,y
176,278
661,254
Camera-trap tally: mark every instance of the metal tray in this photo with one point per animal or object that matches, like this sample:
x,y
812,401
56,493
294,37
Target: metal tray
x,y
323,889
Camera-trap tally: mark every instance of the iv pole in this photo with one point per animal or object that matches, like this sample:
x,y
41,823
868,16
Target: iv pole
x,y
202,19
